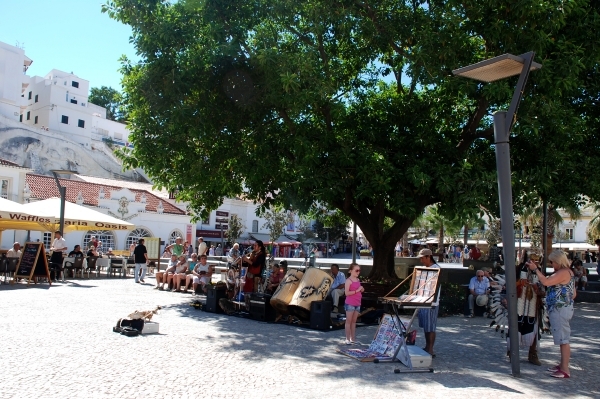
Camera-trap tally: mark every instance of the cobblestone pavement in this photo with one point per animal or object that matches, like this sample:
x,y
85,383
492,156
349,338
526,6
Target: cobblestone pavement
x,y
57,343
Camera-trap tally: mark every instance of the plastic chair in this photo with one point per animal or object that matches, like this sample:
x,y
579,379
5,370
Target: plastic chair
x,y
91,266
74,265
116,264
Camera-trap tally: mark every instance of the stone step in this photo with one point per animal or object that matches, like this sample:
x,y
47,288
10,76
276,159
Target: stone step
x,y
588,296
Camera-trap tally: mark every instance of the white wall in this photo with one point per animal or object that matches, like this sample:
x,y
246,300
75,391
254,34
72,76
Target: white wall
x,y
13,62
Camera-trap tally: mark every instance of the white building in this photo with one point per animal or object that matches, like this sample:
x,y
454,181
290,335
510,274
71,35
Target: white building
x,y
59,101
13,80
152,216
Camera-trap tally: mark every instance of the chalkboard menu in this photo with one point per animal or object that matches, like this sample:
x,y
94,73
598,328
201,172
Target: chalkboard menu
x,y
33,262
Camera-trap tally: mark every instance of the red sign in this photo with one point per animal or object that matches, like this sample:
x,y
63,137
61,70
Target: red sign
x,y
209,234
188,233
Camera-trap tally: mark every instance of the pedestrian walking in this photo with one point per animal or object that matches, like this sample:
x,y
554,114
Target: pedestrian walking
x,y
140,257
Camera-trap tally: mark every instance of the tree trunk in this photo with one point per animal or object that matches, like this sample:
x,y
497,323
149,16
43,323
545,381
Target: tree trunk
x,y
383,264
441,240
466,235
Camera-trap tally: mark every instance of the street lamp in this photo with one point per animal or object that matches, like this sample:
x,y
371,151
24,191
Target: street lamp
x,y
63,195
497,68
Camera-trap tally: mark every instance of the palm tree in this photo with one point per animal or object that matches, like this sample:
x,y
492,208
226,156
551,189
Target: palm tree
x,y
534,217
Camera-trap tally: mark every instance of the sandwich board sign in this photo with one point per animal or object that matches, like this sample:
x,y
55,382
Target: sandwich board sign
x,y
33,263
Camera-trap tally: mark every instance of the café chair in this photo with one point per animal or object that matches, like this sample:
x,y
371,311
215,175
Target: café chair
x,y
9,267
91,266
116,264
74,265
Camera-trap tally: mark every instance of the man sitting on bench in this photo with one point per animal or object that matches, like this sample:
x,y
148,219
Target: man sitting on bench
x,y
479,285
337,286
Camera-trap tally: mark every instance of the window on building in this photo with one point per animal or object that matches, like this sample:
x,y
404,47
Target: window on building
x,y
135,235
73,101
47,240
569,234
36,98
255,226
173,236
206,221
29,95
21,118
81,123
106,238
64,119
83,104
4,188
28,115
75,84
35,120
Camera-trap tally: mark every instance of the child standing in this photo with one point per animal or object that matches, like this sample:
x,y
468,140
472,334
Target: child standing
x,y
353,291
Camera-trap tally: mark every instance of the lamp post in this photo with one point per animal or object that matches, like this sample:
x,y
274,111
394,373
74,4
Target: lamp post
x,y
497,68
63,195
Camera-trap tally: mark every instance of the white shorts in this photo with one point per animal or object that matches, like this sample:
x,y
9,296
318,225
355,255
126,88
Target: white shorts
x,y
203,280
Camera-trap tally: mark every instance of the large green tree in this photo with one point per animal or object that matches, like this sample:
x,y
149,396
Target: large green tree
x,y
351,104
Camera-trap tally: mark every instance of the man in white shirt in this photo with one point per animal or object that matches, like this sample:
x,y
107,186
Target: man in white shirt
x,y
201,246
479,285
337,286
15,251
58,247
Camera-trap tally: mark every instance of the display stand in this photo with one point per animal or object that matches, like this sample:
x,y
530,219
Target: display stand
x,y
153,249
422,294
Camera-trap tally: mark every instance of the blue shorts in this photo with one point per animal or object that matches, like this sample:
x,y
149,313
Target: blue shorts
x,y
350,308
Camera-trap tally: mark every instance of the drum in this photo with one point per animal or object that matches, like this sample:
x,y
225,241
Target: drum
x,y
313,287
286,289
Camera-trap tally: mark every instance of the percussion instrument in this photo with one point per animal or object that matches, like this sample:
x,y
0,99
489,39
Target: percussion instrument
x,y
286,289
314,286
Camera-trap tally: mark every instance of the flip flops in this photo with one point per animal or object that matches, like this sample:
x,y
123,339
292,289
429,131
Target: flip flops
x,y
560,374
554,369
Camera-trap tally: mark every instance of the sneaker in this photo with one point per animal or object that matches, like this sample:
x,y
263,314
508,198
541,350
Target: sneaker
x,y
157,287
142,281
348,342
137,282
471,315
335,309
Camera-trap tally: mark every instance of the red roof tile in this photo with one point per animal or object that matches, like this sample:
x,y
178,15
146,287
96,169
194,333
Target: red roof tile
x,y
44,187
6,162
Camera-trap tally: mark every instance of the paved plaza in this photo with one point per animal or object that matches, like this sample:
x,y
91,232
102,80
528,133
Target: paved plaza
x,y
58,343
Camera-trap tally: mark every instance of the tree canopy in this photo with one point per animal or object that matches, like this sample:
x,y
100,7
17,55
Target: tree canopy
x,y
351,104
110,99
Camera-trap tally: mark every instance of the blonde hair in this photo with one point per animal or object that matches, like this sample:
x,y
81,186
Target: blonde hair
x,y
559,257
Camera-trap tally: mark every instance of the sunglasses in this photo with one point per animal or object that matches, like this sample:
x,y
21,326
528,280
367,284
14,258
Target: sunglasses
x,y
356,270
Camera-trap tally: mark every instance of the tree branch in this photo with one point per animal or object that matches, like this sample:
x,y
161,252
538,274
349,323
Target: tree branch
x,y
469,133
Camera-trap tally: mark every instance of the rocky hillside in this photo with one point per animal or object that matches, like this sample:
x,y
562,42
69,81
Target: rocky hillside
x,y
43,151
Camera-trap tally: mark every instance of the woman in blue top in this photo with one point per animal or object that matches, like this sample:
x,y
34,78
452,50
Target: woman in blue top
x,y
559,300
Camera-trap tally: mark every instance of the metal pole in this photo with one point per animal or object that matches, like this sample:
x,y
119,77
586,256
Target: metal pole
x,y
545,236
63,196
327,244
501,135
354,243
222,245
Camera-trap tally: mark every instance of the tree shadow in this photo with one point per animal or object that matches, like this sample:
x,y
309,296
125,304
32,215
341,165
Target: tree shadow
x,y
469,353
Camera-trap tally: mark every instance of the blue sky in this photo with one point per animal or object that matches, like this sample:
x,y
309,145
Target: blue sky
x,y
69,35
